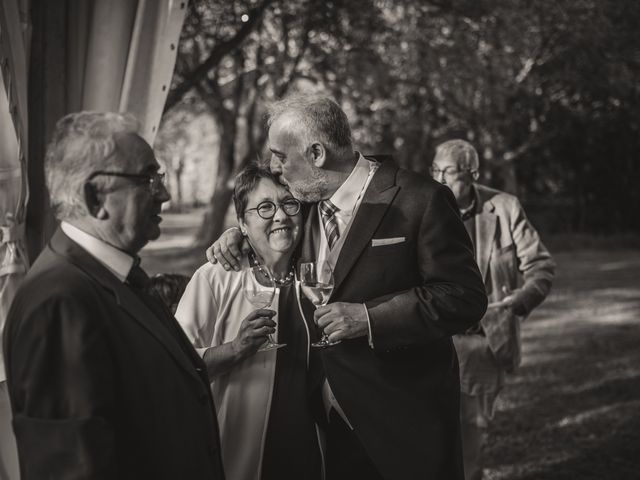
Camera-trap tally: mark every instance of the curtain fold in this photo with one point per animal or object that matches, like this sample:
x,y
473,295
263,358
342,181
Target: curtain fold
x,y
14,44
130,56
155,37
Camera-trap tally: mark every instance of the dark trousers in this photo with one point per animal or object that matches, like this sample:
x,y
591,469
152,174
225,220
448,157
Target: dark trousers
x,y
346,457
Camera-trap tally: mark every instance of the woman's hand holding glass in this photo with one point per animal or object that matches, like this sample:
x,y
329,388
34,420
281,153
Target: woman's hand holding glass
x,y
254,331
259,289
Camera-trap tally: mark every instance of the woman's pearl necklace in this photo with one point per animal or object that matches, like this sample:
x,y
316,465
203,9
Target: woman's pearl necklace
x,y
279,282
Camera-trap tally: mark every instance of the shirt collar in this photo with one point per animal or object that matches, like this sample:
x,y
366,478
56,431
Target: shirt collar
x,y
117,262
346,196
470,211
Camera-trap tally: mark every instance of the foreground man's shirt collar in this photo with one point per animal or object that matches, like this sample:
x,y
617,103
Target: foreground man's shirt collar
x,y
346,196
116,261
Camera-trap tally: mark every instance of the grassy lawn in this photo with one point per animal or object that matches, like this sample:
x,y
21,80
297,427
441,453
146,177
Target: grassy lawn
x,y
573,409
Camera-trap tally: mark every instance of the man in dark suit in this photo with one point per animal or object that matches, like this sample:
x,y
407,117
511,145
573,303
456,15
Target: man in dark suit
x,y
405,282
102,381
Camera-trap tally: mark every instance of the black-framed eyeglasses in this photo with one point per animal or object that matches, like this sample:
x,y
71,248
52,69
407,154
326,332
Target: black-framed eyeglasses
x,y
448,171
155,181
268,209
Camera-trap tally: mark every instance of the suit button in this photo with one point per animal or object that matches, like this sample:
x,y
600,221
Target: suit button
x,y
203,398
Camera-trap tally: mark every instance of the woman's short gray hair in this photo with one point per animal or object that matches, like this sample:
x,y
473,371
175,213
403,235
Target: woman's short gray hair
x,y
321,117
82,143
462,152
246,182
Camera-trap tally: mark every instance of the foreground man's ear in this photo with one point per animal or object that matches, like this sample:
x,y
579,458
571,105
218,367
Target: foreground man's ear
x,y
94,201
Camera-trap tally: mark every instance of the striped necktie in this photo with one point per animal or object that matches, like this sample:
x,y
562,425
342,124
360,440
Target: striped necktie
x,y
328,210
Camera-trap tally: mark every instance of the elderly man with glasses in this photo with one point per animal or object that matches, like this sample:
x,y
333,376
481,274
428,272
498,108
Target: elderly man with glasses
x,y
517,271
103,382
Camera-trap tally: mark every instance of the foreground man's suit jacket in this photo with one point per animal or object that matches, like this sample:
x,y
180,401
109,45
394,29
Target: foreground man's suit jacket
x,y
409,258
100,387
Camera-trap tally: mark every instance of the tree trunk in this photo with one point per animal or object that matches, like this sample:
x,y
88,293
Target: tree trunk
x,y
213,221
178,168
179,203
508,177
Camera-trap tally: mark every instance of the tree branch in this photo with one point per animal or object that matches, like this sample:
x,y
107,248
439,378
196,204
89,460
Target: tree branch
x,y
191,79
284,86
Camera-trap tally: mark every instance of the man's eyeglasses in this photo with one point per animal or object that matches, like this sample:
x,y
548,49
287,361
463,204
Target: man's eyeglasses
x,y
448,172
268,209
155,181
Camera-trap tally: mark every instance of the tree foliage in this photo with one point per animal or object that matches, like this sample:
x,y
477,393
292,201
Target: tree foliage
x,y
547,90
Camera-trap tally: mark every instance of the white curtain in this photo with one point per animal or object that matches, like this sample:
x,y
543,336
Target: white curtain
x,y
124,52
14,41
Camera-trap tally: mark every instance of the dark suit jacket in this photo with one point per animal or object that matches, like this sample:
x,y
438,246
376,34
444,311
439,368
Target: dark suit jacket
x,y
101,387
402,396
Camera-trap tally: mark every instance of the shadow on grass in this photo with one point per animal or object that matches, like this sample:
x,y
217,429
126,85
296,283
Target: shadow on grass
x,y
573,409
602,443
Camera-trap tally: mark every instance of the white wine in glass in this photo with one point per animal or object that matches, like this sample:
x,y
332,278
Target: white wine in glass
x,y
318,293
259,289
316,282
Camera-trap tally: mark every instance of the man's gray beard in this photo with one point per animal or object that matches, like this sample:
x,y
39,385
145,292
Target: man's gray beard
x,y
309,191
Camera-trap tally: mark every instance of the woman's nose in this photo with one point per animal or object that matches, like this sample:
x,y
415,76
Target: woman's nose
x,y
279,215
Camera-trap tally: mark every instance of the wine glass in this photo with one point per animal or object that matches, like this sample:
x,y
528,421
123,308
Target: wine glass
x,y
259,289
316,281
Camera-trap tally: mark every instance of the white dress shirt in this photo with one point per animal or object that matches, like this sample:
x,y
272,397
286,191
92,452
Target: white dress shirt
x,y
347,198
116,261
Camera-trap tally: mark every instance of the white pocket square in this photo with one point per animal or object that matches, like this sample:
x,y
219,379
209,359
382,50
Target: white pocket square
x,y
378,242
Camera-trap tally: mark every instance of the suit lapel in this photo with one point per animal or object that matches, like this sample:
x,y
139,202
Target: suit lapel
x,y
136,308
485,233
124,296
375,203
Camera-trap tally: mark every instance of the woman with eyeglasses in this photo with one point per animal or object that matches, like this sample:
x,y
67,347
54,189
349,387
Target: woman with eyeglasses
x,y
266,427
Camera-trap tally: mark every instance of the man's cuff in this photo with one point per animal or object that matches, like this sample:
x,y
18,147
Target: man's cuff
x,y
369,334
520,303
